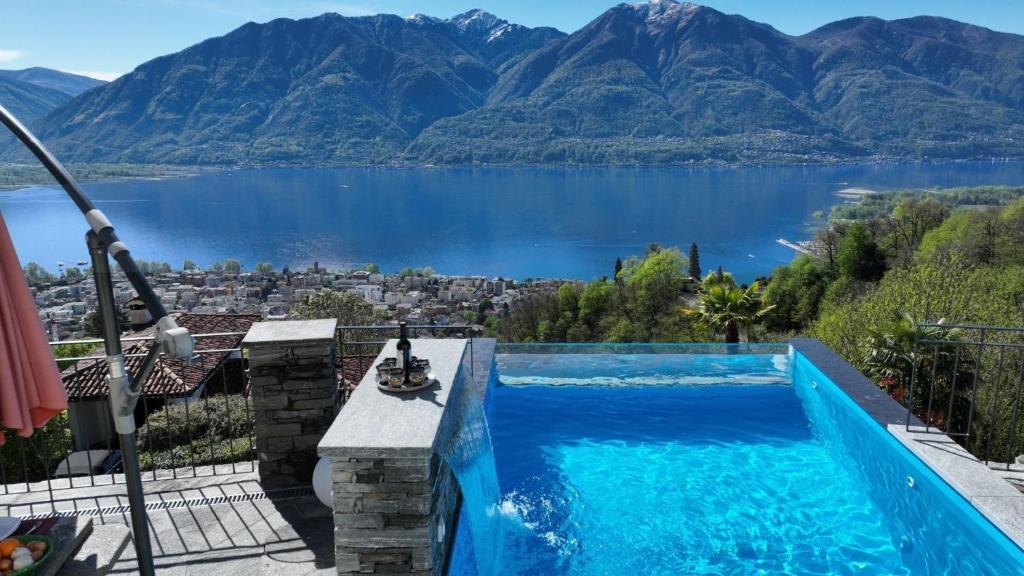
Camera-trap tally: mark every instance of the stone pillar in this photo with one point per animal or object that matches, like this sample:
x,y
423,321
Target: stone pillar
x,y
395,496
294,389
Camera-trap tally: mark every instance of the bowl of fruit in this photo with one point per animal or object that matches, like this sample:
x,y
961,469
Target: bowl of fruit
x,y
21,555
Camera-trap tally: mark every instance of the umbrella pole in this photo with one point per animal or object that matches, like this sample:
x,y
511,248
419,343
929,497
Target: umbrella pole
x,y
169,338
122,402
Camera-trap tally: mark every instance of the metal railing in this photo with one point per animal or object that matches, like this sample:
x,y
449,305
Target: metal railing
x,y
358,346
966,383
195,419
203,428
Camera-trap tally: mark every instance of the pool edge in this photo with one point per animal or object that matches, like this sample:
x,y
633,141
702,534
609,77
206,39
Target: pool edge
x,y
992,496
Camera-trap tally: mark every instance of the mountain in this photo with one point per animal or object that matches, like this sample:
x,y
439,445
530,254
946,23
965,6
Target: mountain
x,y
501,44
656,83
28,101
329,90
66,82
35,92
668,82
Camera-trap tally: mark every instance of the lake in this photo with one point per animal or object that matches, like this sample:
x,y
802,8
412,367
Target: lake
x,y
513,222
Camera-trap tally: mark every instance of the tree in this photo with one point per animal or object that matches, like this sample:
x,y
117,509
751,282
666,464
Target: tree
x,y
796,292
233,266
373,268
596,303
892,355
265,268
651,288
485,306
859,257
188,265
73,274
1011,242
406,272
36,274
951,287
618,268
349,309
481,311
828,239
729,308
92,324
217,267
640,305
910,220
695,271
719,276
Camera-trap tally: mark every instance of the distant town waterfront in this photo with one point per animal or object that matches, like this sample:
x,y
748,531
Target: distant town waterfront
x,y
511,222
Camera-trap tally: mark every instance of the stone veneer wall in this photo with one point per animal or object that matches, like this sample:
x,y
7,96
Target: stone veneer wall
x,y
396,505
393,515
294,391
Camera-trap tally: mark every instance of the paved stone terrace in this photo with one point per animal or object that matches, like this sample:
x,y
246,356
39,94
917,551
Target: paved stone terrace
x,y
224,524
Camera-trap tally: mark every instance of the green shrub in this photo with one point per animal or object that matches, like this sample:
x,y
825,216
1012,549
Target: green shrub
x,y
215,429
35,457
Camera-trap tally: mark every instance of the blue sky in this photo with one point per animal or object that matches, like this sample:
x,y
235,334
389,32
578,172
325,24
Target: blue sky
x,y
105,38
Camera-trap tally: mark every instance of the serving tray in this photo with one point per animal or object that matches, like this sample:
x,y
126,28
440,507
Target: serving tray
x,y
407,389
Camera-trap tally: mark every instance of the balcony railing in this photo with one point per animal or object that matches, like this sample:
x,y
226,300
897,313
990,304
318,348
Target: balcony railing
x,y
195,419
967,384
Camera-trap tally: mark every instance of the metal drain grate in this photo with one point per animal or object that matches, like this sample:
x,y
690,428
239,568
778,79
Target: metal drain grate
x,y
283,494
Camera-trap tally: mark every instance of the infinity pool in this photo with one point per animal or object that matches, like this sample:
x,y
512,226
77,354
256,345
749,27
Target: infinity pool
x,y
681,463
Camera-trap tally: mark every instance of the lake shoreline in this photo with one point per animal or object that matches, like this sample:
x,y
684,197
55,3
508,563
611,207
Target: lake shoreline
x,y
517,223
14,177
171,171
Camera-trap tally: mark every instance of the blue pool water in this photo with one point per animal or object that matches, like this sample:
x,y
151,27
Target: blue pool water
x,y
707,464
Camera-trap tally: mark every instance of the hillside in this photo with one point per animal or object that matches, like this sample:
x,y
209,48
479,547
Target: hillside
x,y
35,92
329,90
655,83
66,82
666,82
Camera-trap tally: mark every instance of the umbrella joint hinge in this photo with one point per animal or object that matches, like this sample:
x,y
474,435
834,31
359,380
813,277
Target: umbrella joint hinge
x,y
122,397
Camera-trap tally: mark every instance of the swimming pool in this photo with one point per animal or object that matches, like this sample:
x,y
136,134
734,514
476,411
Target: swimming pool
x,y
628,461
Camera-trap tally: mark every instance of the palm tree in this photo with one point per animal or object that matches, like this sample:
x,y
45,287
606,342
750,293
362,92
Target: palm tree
x,y
894,351
726,307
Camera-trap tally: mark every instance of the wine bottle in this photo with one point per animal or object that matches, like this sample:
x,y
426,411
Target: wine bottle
x,y
404,349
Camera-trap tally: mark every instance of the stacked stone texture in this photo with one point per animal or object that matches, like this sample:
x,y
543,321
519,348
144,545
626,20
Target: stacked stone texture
x,y
294,398
388,516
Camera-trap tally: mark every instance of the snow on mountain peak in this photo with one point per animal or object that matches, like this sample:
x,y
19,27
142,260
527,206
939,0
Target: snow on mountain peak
x,y
662,11
422,18
479,22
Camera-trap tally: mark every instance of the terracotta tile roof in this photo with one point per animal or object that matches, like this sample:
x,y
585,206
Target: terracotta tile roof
x,y
171,377
352,370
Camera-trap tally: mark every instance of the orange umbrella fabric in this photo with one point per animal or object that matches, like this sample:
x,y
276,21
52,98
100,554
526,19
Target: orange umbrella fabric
x,y
31,390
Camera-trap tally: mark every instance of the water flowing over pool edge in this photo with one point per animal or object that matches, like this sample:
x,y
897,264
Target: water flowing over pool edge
x,y
825,403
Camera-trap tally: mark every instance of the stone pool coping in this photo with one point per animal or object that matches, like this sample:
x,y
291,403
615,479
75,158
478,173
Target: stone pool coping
x,y
994,497
375,423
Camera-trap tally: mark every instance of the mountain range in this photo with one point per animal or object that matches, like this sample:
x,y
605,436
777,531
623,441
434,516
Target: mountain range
x,y
35,92
663,83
